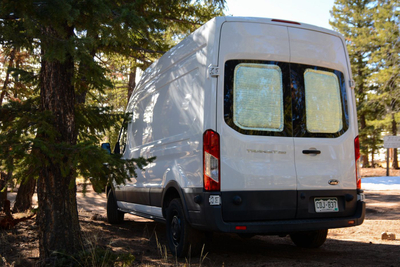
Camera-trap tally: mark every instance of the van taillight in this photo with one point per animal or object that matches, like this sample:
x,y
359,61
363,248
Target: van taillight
x,y
358,161
285,21
211,156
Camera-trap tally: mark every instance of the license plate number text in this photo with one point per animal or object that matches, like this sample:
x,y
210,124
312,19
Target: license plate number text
x,y
326,204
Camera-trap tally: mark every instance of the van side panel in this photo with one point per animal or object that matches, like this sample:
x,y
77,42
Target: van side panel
x,y
168,109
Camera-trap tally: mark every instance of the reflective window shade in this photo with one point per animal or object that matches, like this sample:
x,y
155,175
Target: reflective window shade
x,y
323,104
258,97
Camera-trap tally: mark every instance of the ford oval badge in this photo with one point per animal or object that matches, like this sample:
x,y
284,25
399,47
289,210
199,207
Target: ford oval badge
x,y
333,182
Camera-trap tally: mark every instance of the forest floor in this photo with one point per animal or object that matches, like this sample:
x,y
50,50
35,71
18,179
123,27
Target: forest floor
x,y
145,239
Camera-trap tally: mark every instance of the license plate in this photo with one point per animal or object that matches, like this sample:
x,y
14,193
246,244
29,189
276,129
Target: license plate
x,y
326,204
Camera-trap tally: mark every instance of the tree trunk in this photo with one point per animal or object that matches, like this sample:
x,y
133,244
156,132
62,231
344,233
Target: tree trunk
x,y
132,82
3,176
7,79
361,113
57,216
3,195
4,179
80,97
373,151
25,193
395,162
363,125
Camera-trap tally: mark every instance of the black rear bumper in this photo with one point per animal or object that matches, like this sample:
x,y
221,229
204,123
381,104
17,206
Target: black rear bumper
x,y
210,218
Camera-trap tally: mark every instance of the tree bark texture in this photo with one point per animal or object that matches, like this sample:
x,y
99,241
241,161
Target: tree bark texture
x,y
132,82
395,163
57,217
373,152
23,201
7,79
363,125
361,114
4,179
3,195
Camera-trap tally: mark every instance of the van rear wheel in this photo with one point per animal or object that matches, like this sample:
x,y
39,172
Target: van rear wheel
x,y
183,240
309,239
114,216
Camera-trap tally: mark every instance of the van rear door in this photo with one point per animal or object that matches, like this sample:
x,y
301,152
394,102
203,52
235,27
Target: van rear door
x,y
323,138
258,177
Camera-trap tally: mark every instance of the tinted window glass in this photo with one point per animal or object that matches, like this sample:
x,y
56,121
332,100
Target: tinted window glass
x,y
312,114
258,97
273,98
323,104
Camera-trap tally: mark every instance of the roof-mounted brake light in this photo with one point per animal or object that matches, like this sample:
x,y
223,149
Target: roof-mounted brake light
x,y
285,21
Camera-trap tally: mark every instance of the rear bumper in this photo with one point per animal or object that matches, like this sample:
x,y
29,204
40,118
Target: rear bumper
x,y
209,218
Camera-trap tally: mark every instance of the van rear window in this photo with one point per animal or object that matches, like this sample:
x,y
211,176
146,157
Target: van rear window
x,y
323,102
258,97
272,98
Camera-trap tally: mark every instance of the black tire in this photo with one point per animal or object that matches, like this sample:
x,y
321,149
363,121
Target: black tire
x,y
114,216
183,240
309,239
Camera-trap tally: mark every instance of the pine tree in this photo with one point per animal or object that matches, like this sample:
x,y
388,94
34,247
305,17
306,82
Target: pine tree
x,y
191,17
68,34
385,63
18,83
354,20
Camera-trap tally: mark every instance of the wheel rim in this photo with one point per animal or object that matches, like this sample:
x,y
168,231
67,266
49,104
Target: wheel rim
x,y
176,229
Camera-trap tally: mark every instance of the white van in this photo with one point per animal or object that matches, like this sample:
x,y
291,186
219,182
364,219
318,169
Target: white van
x,y
253,125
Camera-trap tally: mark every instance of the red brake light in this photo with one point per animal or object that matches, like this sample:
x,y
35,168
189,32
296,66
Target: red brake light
x,y
211,155
357,147
358,159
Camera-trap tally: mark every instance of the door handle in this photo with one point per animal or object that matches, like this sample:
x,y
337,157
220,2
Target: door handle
x,y
311,152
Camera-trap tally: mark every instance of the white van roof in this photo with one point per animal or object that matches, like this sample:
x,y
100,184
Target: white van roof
x,y
278,22
202,37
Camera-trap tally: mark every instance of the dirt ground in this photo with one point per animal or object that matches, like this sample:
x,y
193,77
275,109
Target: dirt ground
x,y
355,246
377,172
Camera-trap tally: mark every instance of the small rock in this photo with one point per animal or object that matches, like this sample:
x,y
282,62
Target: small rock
x,y
97,217
388,236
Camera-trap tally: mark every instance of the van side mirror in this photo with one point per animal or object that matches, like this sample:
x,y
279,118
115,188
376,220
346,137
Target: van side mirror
x,y
107,147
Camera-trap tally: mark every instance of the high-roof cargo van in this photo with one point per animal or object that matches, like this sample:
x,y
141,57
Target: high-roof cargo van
x,y
253,125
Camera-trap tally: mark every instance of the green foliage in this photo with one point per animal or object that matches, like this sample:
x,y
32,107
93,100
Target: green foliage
x,y
27,144
371,29
19,74
89,31
57,135
178,22
105,257
385,61
353,19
